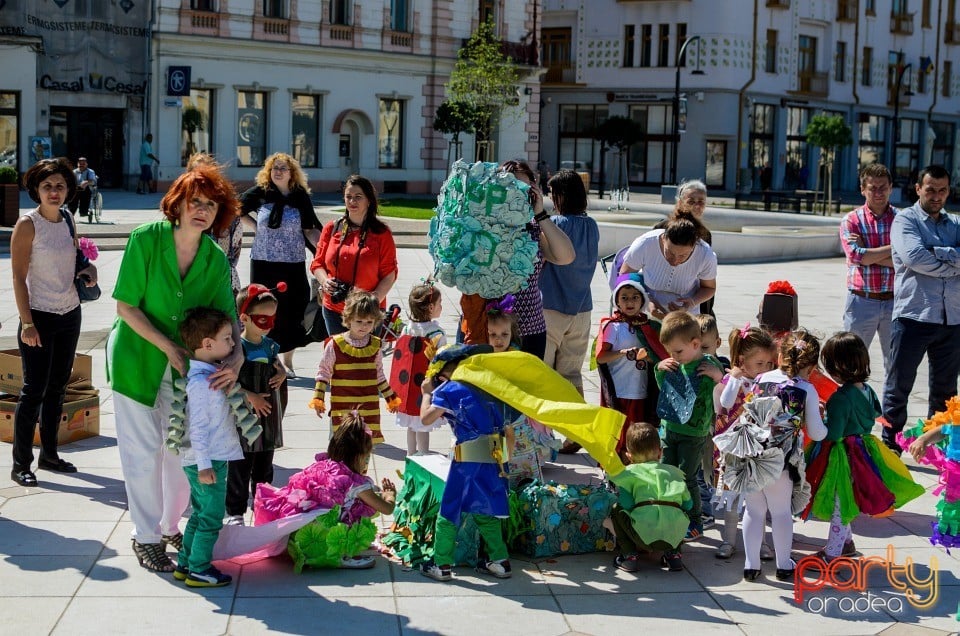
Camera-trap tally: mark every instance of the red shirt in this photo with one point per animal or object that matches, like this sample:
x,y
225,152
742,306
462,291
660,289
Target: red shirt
x,y
874,232
377,258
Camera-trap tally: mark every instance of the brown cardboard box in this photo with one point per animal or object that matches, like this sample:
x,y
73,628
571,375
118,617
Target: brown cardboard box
x,y
11,370
80,419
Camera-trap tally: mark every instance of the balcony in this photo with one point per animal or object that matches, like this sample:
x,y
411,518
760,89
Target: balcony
x,y
199,22
273,29
341,32
813,84
951,33
901,23
846,10
397,41
563,73
522,53
778,4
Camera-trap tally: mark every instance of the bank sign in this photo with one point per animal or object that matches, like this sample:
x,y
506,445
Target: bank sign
x,y
95,47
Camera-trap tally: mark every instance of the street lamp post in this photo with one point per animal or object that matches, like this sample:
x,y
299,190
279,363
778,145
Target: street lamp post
x,y
902,70
676,104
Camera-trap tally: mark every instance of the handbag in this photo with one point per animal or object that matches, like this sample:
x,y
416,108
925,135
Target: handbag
x,y
85,293
313,323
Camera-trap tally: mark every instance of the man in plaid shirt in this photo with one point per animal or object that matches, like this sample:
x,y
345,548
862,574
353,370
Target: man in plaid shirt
x,y
865,236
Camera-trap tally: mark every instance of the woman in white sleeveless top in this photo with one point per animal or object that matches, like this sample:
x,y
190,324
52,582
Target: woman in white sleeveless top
x,y
43,258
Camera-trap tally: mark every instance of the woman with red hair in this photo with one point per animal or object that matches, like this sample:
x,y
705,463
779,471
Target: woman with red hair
x,y
169,267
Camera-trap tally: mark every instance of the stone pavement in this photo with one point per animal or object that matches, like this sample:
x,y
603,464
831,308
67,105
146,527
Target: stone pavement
x,y
66,566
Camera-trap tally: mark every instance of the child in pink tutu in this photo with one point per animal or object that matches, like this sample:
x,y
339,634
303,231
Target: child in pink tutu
x,y
337,478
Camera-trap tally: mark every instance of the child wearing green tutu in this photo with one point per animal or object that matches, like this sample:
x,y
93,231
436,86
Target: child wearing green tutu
x,y
851,471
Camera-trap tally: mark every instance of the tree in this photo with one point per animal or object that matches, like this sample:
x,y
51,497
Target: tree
x,y
616,132
486,80
829,133
452,118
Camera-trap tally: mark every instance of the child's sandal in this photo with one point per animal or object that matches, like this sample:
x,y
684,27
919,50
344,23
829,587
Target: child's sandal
x,y
153,557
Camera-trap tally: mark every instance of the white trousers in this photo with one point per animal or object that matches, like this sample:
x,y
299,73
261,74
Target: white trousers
x,y
157,488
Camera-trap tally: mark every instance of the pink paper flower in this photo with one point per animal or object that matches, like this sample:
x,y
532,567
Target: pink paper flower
x,y
89,248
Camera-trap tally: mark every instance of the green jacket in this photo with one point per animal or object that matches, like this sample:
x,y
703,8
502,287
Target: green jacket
x,y
150,280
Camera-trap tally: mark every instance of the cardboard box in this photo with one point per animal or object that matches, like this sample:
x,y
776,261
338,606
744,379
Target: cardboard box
x,y
80,419
11,370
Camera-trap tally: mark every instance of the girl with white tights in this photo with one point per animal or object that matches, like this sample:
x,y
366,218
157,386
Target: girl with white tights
x,y
799,354
752,352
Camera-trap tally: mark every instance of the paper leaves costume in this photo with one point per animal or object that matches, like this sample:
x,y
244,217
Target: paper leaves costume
x,y
247,420
945,457
478,239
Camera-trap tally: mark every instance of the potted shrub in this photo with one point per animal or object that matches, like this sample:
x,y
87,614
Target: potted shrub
x,y
9,195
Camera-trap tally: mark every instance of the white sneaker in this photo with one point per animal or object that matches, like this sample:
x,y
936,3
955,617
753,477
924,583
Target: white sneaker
x,y
357,563
436,572
234,520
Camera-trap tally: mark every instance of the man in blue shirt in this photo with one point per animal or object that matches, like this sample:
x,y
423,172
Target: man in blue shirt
x,y
925,243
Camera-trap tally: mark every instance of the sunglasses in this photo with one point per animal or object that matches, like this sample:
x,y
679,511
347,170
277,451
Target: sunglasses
x,y
263,321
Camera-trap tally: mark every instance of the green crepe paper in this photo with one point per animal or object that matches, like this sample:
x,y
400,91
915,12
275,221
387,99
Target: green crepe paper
x,y
948,517
326,540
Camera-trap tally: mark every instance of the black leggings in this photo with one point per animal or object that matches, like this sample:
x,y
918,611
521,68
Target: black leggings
x,y
46,371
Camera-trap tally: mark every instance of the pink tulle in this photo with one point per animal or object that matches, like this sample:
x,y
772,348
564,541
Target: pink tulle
x,y
949,469
323,484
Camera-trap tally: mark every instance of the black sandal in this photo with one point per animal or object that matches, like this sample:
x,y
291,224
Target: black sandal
x,y
23,477
153,557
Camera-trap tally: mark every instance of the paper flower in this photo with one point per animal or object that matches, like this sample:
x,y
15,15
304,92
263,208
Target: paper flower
x,y
89,248
781,287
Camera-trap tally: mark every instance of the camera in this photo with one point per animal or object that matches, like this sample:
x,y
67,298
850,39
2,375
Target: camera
x,y
340,291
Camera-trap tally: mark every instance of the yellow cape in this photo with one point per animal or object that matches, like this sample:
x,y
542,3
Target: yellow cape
x,y
524,382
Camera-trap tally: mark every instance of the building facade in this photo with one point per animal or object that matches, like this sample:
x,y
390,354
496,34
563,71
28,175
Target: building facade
x,y
345,86
752,75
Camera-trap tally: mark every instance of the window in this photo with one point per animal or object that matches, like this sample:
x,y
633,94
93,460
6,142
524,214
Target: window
x,y
681,38
925,14
840,63
400,15
203,5
648,159
251,128
871,7
306,129
488,11
629,44
340,12
922,82
947,78
10,129
942,145
556,53
807,64
796,174
646,35
907,147
663,46
900,7
715,170
761,146
389,135
771,52
196,123
275,9
871,139
578,149
866,73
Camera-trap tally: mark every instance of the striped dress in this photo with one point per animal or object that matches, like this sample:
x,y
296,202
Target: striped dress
x,y
355,380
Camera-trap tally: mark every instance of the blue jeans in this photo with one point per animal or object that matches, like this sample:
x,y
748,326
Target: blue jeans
x,y
910,339
866,317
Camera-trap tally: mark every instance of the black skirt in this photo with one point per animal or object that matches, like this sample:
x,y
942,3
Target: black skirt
x,y
288,329
255,376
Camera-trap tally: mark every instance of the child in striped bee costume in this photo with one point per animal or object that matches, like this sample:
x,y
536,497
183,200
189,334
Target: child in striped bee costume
x,y
352,367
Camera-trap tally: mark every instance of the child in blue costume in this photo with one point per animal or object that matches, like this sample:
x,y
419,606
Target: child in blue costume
x,y
476,484
653,498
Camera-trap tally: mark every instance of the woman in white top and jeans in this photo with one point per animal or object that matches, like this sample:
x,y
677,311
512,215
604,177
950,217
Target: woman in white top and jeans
x,y
43,256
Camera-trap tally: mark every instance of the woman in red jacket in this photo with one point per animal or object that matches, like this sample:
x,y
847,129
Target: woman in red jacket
x,y
356,250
